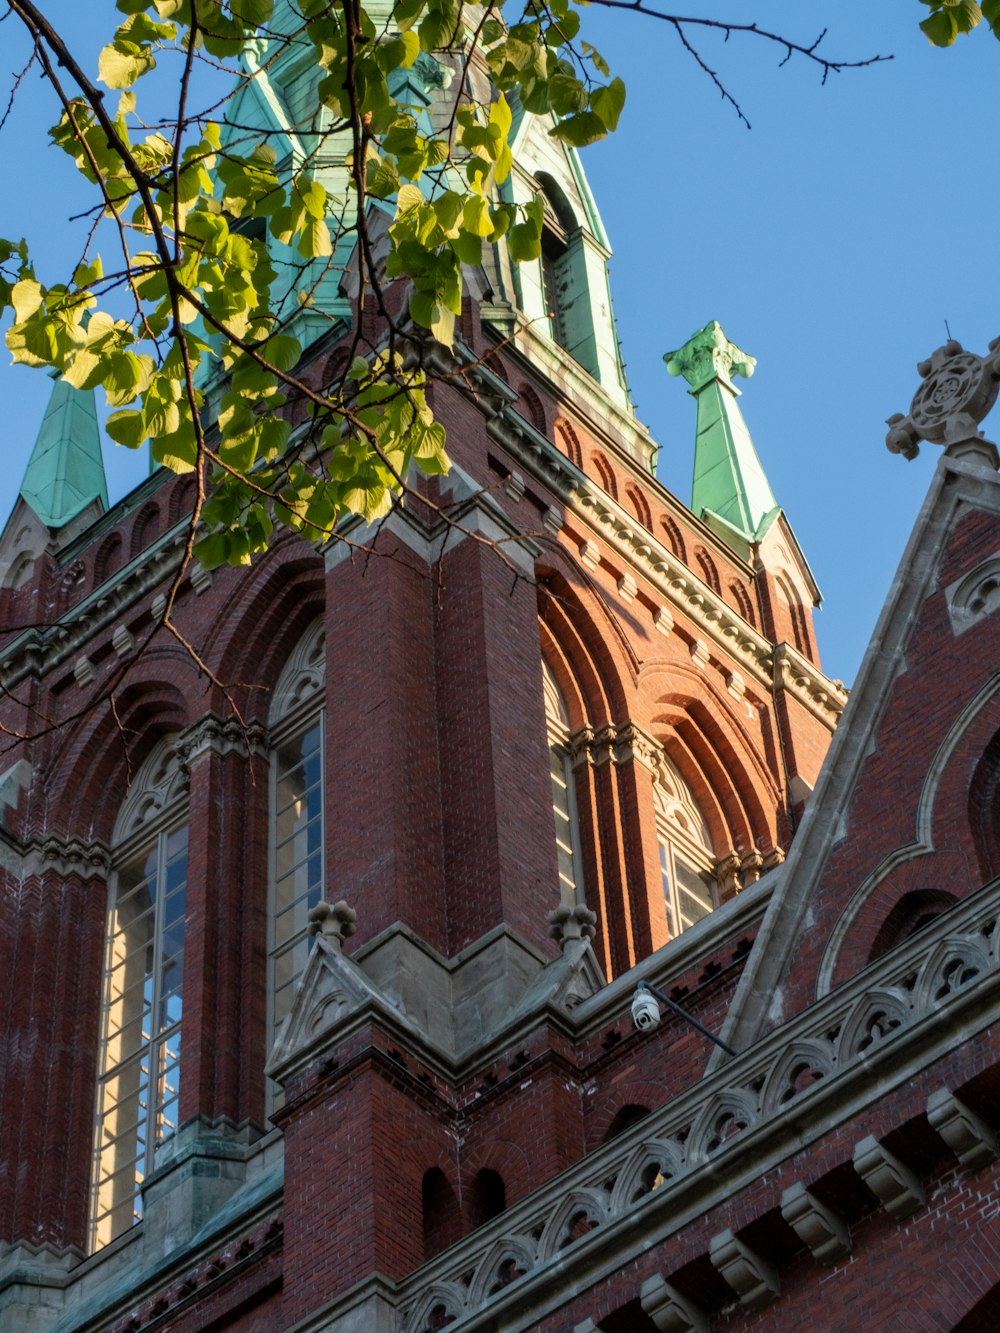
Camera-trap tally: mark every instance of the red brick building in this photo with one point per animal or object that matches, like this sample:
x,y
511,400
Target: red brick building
x,y
316,1016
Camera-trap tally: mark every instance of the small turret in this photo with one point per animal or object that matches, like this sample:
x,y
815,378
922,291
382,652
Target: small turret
x,y
729,482
732,495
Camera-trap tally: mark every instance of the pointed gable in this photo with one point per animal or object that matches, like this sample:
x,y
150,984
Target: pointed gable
x,y
903,824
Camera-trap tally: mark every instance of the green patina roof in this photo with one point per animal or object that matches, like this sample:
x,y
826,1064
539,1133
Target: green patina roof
x,y
728,478
66,471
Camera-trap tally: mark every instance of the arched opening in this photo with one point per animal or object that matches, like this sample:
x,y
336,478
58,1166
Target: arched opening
x,y
625,1117
984,810
558,226
439,1207
911,914
489,1197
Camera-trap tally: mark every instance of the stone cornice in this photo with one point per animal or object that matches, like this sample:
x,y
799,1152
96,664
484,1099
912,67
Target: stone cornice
x,y
865,1039
38,652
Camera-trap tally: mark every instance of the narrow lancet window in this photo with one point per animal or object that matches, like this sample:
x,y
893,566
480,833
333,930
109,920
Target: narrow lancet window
x,y
140,1062
686,859
563,792
297,841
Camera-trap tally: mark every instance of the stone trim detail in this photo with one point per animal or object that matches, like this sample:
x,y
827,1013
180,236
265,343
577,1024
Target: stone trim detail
x,y
895,1186
709,1140
825,1234
669,1310
754,1280
220,736
69,856
969,1138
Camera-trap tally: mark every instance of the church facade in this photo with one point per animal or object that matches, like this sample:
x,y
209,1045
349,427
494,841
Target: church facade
x,y
320,943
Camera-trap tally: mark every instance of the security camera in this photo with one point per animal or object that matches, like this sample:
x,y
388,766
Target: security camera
x,y
645,1010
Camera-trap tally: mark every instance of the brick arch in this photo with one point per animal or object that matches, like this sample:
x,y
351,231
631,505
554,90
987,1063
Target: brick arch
x,y
984,809
510,1162
279,599
587,645
631,1092
108,558
638,504
182,493
709,569
960,803
531,407
89,779
567,438
881,906
716,755
145,527
674,537
911,913
743,603
605,473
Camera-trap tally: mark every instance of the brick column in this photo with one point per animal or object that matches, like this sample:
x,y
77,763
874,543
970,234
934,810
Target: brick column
x,y
53,925
225,963
499,836
383,832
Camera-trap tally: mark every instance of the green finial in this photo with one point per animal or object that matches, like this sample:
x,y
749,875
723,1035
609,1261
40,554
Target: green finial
x,y
709,355
66,471
729,481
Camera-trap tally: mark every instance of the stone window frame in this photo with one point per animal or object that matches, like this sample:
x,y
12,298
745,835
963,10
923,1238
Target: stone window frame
x,y
154,812
297,706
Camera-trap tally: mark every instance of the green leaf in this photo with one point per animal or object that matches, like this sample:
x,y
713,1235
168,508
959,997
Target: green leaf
x,y
580,130
941,28
126,428
608,102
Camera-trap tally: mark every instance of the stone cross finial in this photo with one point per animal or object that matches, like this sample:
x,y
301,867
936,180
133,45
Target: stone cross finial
x,y
709,355
334,921
958,390
572,923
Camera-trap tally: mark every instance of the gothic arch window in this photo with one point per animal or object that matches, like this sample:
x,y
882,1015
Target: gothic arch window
x,y
686,857
557,259
567,825
142,993
297,841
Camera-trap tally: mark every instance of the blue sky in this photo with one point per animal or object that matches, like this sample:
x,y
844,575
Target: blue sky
x,y
832,241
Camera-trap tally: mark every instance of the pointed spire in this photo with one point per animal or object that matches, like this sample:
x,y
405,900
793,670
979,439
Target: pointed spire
x,y
728,478
66,471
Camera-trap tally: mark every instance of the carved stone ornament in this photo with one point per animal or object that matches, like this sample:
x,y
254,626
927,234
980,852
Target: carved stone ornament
x,y
958,390
336,922
572,923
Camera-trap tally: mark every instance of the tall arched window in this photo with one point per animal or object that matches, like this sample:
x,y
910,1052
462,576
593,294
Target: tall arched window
x,y
140,1059
297,841
563,792
686,858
